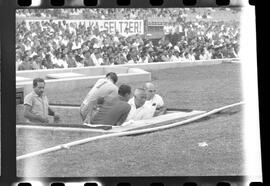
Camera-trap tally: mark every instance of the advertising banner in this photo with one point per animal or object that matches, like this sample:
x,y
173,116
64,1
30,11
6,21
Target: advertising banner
x,y
159,21
124,27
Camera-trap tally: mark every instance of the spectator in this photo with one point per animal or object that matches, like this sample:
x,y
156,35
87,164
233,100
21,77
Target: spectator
x,y
36,63
26,64
70,60
186,34
87,61
47,62
95,56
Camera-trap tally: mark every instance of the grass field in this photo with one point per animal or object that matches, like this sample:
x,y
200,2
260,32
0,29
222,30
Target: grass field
x,y
172,152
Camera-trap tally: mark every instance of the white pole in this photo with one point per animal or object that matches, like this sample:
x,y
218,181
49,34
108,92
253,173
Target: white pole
x,y
73,129
141,131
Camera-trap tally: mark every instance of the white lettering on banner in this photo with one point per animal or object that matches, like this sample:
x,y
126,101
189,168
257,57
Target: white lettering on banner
x,y
124,27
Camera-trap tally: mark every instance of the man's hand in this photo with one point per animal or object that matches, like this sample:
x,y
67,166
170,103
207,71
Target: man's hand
x,y
160,111
44,119
56,118
127,123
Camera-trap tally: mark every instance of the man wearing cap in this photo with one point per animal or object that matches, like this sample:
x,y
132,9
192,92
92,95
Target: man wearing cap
x,y
36,104
103,90
154,100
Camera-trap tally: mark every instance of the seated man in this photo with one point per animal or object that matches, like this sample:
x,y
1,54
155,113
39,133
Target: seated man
x,y
36,105
154,100
104,88
139,110
114,112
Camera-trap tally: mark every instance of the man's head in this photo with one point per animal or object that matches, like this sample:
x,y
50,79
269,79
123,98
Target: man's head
x,y
150,90
124,91
139,97
112,76
86,53
38,86
39,58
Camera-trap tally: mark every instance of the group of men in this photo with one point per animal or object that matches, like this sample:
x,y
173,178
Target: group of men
x,y
105,103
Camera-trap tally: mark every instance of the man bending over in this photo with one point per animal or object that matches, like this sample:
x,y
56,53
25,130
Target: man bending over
x,y
104,89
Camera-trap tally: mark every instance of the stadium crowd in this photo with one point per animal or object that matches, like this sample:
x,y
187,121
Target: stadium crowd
x,y
128,13
96,13
47,44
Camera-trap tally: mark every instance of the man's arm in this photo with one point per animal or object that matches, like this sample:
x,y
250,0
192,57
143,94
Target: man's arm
x,y
52,113
160,111
161,107
90,110
29,115
123,117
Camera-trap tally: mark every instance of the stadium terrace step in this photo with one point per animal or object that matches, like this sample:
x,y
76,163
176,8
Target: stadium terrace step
x,y
64,75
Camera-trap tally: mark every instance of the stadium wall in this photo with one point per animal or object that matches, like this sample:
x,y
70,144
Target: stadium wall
x,y
127,73
165,65
89,71
88,78
98,70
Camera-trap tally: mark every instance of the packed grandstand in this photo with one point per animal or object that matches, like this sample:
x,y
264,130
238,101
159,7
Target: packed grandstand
x,y
65,38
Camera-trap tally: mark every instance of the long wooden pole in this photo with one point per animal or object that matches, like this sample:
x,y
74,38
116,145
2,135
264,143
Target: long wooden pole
x,y
141,131
84,128
70,129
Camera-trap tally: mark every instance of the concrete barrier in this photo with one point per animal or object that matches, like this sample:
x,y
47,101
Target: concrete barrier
x,y
88,71
125,75
99,70
165,65
63,75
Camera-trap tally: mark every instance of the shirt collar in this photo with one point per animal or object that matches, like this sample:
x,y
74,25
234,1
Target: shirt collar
x,y
109,80
35,94
132,103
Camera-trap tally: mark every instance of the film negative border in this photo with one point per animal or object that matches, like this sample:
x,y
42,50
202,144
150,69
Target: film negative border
x,y
127,3
8,172
139,181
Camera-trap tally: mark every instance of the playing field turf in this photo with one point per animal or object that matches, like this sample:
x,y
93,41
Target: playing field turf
x,y
172,152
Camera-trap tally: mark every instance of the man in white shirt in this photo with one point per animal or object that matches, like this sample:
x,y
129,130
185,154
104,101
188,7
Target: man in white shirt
x,y
94,56
154,100
60,62
173,57
139,110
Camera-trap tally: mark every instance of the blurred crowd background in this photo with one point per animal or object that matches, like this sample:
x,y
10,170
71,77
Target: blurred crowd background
x,y
65,38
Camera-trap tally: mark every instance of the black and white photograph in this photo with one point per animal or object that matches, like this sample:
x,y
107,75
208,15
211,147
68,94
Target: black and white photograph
x,y
111,92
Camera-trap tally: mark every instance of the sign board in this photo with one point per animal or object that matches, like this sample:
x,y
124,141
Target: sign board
x,y
124,27
159,21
